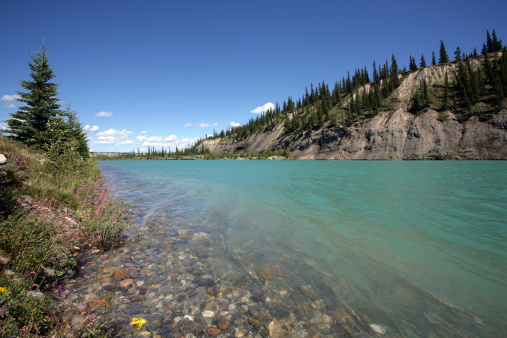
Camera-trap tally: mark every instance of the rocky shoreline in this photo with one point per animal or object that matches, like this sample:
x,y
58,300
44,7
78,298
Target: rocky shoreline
x,y
183,294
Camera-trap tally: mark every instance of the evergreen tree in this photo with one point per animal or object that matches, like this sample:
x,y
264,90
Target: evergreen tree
x,y
443,54
496,44
416,105
426,96
489,43
412,64
395,81
457,54
423,61
433,60
29,123
76,133
375,72
446,91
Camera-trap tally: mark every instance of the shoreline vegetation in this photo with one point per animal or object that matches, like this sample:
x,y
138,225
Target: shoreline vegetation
x,y
53,206
190,154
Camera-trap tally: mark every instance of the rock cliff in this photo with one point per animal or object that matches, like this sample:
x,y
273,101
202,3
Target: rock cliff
x,y
389,135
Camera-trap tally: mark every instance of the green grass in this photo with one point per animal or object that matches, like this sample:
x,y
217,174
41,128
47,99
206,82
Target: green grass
x,y
51,203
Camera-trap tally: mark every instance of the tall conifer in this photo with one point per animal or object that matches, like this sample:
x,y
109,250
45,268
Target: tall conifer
x,y
29,123
423,61
443,54
489,42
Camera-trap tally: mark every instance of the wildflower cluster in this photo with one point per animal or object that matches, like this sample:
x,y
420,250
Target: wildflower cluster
x,y
103,216
138,323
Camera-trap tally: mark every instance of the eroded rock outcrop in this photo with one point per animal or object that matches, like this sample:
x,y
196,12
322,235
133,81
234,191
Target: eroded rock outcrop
x,y
389,135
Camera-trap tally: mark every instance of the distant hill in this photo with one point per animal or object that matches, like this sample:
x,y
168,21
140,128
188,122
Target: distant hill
x,y
450,110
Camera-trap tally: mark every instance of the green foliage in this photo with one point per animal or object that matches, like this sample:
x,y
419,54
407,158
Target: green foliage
x,y
444,58
74,132
39,235
40,119
442,117
29,123
412,64
423,61
29,313
104,218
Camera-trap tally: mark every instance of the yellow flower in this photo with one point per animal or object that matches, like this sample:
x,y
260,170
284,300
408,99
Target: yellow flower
x,y
137,323
2,290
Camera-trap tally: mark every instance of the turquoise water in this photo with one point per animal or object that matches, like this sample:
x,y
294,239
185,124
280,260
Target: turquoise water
x,y
417,248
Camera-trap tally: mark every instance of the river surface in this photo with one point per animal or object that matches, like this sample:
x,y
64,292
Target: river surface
x,y
298,248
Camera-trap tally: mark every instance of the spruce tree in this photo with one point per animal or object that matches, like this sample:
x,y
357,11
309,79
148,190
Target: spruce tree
x,y
29,123
375,72
426,96
496,44
457,54
433,60
416,104
446,91
489,43
75,133
412,64
423,61
395,81
484,50
443,54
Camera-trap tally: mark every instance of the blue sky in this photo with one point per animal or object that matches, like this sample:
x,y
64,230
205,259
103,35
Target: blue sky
x,y
153,73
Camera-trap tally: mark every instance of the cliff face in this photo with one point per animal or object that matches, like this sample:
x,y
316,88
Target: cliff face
x,y
389,135
394,134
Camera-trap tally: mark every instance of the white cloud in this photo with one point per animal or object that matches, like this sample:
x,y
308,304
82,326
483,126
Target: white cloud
x,y
142,136
127,142
9,100
104,113
233,124
169,141
263,109
89,128
200,125
10,97
113,136
155,139
3,126
125,137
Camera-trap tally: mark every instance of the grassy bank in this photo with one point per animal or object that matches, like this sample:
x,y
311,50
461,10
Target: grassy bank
x,y
52,204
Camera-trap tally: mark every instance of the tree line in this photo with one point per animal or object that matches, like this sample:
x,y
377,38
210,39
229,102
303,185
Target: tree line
x,y
365,95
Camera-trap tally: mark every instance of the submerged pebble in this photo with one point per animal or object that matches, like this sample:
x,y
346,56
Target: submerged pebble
x,y
179,292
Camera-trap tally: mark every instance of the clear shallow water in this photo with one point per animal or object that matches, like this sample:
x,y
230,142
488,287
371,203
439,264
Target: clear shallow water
x,y
417,248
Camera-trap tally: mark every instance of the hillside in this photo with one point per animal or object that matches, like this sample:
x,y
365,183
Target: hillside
x,y
446,111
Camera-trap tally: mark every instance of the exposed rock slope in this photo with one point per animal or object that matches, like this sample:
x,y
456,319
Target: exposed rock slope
x,y
398,135
395,134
